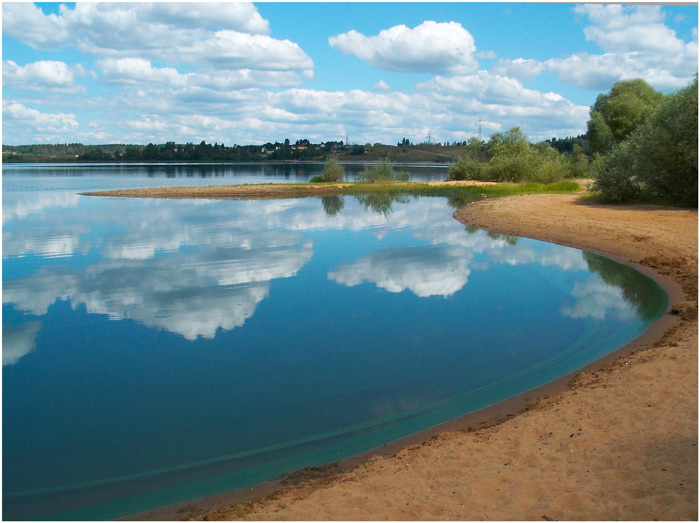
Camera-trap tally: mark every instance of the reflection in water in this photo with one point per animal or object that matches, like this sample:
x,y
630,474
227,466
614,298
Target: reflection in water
x,y
618,277
434,271
381,203
159,350
333,204
18,341
508,238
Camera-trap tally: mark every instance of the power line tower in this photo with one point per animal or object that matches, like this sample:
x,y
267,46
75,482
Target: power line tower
x,y
479,133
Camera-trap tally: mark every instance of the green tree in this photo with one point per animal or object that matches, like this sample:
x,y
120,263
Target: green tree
x,y
667,163
616,115
659,160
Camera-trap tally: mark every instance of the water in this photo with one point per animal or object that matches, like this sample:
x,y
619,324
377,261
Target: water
x,y
156,351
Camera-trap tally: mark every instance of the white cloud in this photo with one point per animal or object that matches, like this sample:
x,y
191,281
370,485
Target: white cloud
x,y
429,48
227,36
504,102
382,87
25,125
234,50
636,44
519,68
44,75
114,25
138,70
486,55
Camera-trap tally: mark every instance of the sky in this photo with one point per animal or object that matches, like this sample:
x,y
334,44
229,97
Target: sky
x,y
251,73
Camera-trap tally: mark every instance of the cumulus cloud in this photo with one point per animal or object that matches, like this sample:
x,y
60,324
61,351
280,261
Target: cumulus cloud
x,y
506,103
160,31
431,47
20,123
44,75
382,87
114,25
636,44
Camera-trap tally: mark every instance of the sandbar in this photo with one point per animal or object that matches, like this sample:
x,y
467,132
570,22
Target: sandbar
x,y
617,440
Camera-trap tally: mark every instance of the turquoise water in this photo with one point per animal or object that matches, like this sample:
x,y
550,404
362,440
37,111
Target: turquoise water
x,y
156,351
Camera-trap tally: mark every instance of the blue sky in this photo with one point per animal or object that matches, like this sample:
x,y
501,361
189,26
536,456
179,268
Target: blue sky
x,y
377,72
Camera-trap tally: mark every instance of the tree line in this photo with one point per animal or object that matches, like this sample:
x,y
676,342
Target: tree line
x,y
172,152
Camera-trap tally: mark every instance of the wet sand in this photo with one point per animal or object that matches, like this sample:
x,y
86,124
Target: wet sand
x,y
617,441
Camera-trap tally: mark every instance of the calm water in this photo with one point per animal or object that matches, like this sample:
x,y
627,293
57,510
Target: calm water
x,y
156,351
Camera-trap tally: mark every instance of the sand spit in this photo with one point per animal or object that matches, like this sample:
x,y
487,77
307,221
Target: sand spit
x,y
258,191
618,441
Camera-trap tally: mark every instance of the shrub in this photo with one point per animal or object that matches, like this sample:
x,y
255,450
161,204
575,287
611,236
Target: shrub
x,y
465,168
332,171
615,178
382,172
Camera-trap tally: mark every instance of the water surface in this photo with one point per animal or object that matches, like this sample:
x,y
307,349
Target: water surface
x,y
156,351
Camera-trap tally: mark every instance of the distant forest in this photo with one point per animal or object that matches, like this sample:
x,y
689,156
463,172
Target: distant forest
x,y
301,150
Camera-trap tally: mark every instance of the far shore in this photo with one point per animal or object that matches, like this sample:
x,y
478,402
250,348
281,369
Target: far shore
x,y
617,440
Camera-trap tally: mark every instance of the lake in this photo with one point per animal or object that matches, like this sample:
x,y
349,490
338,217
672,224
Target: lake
x,y
156,351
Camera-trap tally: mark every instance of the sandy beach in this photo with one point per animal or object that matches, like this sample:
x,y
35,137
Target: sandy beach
x,y
617,441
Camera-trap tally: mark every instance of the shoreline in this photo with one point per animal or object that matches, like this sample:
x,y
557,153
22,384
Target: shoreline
x,y
302,494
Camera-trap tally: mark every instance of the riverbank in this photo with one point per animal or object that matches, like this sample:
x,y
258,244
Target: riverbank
x,y
618,442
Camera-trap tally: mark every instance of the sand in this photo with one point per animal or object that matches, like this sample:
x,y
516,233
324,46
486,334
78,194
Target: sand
x,y
618,441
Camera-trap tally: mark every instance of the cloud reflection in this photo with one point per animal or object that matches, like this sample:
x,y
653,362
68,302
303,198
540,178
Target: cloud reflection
x,y
596,299
17,342
433,271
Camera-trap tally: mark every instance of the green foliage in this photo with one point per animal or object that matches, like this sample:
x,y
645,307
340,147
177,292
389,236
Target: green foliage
x,y
509,157
599,134
382,172
332,170
615,178
465,168
659,160
615,116
667,164
317,179
578,163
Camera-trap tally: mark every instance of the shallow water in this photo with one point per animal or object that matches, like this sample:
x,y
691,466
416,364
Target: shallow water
x,y
161,350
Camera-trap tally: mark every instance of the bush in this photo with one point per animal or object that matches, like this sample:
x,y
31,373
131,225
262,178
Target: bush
x,y
615,178
382,172
332,171
465,168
